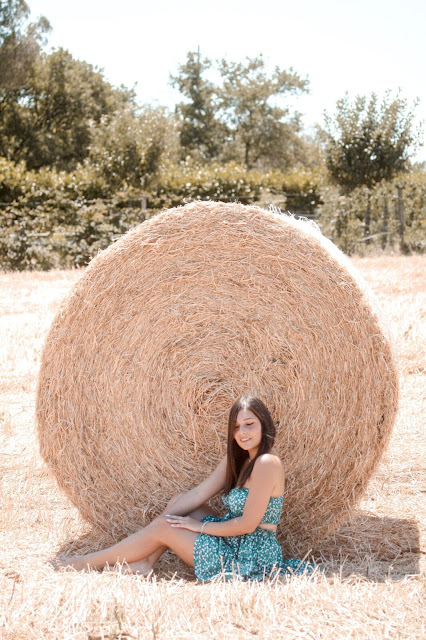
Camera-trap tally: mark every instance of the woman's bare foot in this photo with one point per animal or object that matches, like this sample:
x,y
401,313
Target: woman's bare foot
x,y
61,563
80,563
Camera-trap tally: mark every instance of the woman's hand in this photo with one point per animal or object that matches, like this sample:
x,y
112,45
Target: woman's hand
x,y
185,522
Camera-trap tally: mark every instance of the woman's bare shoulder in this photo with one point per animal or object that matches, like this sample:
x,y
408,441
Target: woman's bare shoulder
x,y
271,460
269,465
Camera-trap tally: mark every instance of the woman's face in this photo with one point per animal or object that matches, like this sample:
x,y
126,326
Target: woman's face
x,y
248,431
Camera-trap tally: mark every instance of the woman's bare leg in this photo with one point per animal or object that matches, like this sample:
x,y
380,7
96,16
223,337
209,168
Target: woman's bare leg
x,y
146,565
139,545
141,550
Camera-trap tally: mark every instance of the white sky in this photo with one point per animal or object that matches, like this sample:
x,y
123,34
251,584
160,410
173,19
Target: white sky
x,y
363,46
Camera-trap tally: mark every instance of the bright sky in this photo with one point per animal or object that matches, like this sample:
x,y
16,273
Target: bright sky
x,y
363,46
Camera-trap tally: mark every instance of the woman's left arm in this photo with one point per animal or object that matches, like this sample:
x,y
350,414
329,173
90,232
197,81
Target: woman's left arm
x,y
263,479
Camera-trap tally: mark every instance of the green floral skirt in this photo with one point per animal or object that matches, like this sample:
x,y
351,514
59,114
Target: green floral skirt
x,y
252,556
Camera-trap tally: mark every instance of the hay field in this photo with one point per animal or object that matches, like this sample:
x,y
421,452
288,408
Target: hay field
x,y
375,567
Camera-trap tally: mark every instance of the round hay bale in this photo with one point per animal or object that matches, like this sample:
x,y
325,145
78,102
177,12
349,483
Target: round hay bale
x,y
174,321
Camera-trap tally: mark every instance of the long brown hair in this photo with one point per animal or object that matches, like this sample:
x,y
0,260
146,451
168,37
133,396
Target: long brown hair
x,y
236,457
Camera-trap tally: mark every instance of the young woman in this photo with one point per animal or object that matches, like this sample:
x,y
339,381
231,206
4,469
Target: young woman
x,y
242,542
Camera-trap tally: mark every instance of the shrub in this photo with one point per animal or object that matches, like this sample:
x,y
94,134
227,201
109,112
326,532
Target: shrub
x,y
185,182
299,190
54,219
341,217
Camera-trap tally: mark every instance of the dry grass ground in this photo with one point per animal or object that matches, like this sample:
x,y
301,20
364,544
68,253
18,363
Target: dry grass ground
x,y
375,580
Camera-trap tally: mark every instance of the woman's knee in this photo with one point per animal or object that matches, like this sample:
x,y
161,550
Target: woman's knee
x,y
160,526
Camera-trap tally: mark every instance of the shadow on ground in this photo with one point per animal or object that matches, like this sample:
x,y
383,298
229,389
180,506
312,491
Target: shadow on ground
x,y
374,547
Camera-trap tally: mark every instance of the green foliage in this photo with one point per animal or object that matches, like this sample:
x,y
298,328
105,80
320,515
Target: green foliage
x,y
367,143
59,219
299,190
130,149
262,133
28,187
202,135
227,182
14,180
414,202
341,215
49,122
19,46
240,120
62,233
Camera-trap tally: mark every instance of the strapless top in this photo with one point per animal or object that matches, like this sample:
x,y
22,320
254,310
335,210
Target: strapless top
x,y
236,499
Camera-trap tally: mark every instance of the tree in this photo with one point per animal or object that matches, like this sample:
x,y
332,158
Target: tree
x,y
202,134
367,142
129,148
49,122
240,120
19,47
262,133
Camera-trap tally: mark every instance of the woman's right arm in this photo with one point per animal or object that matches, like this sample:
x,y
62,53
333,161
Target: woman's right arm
x,y
191,500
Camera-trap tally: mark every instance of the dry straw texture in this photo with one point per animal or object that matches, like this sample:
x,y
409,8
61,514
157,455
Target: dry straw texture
x,y
178,318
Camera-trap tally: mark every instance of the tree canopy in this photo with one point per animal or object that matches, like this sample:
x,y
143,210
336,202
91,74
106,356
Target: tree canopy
x,y
242,118
130,148
48,123
261,131
367,141
20,46
201,132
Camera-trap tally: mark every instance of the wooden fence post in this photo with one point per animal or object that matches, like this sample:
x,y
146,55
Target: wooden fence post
x,y
402,246
367,218
385,222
